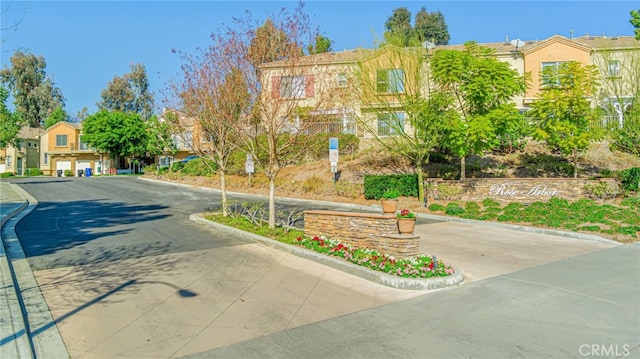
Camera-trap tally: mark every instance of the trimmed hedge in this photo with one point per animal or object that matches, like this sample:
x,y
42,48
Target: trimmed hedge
x,y
376,185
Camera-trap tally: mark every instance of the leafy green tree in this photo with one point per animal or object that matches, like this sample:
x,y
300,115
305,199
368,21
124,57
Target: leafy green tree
x,y
321,45
129,93
58,115
562,114
481,88
431,27
428,27
10,123
159,139
35,95
635,21
398,27
116,133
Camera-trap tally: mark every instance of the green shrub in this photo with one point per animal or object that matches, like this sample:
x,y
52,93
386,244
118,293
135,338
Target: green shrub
x,y
454,209
6,174
149,169
200,167
631,201
490,202
376,185
68,173
176,166
436,207
630,179
33,172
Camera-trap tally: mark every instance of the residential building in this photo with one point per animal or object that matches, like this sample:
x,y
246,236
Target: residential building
x,y
340,87
62,151
182,136
24,155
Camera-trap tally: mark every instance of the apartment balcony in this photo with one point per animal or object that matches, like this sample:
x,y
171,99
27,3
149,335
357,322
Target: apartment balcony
x,y
336,127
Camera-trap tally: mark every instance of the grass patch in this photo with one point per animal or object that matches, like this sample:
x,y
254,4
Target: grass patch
x,y
557,213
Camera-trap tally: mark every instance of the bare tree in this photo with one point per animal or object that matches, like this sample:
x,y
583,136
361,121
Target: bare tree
x,y
213,94
288,95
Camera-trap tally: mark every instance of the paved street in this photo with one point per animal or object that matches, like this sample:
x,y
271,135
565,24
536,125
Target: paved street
x,y
126,274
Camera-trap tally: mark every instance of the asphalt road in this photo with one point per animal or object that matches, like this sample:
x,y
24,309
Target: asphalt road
x,y
91,220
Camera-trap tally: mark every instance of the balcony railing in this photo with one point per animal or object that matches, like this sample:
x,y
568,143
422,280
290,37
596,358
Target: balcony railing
x,y
330,127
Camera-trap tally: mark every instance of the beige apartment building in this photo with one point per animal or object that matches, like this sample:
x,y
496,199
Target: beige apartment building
x,y
19,159
322,84
63,152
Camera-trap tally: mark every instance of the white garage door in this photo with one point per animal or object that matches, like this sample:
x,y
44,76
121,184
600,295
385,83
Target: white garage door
x,y
62,166
2,168
82,165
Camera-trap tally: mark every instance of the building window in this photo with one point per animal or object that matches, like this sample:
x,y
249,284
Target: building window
x,y
614,68
8,161
551,74
390,81
46,158
61,140
292,87
390,124
341,79
35,145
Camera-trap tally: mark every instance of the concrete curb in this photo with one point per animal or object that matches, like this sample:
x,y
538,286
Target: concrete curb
x,y
41,327
515,227
339,264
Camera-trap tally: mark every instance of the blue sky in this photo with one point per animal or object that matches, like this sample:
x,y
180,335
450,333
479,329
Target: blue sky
x,y
87,43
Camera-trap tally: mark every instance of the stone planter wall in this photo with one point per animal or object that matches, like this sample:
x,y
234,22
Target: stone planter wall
x,y
523,190
362,230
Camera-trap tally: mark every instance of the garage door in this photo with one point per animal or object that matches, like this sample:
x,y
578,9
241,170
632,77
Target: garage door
x,y
62,166
81,165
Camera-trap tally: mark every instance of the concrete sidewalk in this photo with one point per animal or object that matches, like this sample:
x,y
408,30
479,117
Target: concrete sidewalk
x,y
13,342
27,327
218,297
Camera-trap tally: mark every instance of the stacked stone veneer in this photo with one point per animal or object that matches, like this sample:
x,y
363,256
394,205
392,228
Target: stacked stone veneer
x,y
523,190
362,230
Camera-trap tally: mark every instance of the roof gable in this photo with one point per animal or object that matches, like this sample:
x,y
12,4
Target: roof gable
x,y
71,125
556,39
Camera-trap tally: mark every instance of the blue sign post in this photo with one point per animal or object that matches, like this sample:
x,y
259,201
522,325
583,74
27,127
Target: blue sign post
x,y
333,157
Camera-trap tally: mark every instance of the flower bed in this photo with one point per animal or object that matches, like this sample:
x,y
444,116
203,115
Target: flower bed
x,y
420,266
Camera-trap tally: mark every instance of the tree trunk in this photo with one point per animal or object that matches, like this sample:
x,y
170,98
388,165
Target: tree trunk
x,y
223,192
575,164
463,164
272,202
421,194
